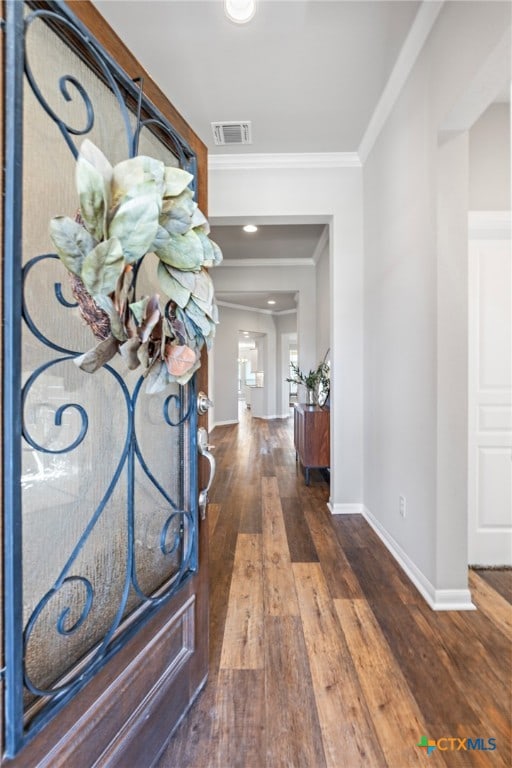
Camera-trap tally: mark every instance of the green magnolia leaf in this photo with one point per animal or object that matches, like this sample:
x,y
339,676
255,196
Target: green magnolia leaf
x,y
138,308
208,252
171,287
92,194
217,253
161,239
97,159
72,242
175,181
200,222
182,251
95,358
102,266
135,225
137,177
203,288
116,324
157,378
177,213
197,315
186,279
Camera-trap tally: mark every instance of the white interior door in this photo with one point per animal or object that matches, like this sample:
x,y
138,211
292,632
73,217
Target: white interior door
x,y
490,390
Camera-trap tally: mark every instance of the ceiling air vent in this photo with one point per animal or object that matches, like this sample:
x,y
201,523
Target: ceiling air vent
x,y
232,132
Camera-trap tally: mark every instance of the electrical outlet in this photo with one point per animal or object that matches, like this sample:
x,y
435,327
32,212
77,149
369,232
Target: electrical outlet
x,y
402,506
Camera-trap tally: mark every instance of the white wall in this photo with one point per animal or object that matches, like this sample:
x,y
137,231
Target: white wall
x,y
334,196
323,312
416,264
286,334
489,160
225,365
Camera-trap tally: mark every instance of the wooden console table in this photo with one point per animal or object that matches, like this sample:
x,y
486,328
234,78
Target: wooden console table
x,y
311,437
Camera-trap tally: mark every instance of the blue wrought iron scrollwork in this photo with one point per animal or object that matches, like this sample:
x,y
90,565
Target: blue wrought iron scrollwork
x,y
178,534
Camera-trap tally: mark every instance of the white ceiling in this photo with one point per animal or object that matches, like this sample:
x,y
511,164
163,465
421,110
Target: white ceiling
x,y
307,73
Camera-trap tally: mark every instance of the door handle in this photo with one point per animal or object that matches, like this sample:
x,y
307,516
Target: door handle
x,y
203,403
205,450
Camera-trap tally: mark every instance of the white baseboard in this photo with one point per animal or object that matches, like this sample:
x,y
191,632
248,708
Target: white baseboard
x,y
224,423
268,418
346,509
438,599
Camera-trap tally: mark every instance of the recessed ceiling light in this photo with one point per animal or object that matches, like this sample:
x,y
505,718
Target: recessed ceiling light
x,y
250,228
239,11
271,301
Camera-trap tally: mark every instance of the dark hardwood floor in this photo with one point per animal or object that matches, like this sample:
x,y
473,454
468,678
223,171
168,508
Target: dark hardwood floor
x,y
322,653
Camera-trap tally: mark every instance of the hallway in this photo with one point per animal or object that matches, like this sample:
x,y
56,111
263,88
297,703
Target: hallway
x,y
321,651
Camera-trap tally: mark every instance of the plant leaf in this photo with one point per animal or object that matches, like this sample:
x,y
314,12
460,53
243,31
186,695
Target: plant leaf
x,y
203,288
93,359
92,194
188,375
177,213
72,242
161,239
171,287
175,181
116,324
136,177
97,159
208,252
128,352
102,266
157,378
182,251
179,359
138,308
200,222
135,224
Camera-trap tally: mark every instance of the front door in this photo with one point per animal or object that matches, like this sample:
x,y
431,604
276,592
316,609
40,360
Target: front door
x,y
105,601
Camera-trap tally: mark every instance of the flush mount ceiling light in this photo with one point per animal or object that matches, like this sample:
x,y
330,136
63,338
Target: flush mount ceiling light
x,y
239,11
250,228
271,301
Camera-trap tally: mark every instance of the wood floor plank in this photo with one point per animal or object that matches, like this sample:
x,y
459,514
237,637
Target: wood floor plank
x,y
250,509
424,665
238,734
338,573
279,586
343,672
213,516
496,608
242,645
348,735
392,707
300,543
293,731
498,579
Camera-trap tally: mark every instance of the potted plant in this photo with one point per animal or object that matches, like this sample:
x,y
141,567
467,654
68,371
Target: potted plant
x,y
315,381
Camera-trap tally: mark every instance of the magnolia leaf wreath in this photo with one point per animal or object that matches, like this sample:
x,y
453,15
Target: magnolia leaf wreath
x,y
139,206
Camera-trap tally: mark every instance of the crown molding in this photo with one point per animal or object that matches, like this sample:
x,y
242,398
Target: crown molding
x,y
414,42
266,263
252,160
230,305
